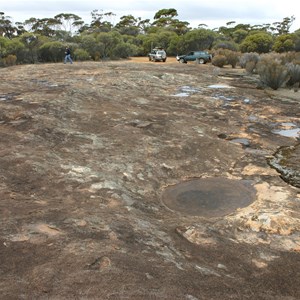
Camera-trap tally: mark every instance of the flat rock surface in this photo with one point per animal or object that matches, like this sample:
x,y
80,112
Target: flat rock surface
x,y
88,150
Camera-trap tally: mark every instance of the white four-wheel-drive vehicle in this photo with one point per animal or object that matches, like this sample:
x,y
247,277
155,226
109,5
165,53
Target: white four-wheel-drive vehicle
x,y
157,54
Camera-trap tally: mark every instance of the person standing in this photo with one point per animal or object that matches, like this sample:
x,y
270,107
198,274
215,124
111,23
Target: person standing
x,y
68,56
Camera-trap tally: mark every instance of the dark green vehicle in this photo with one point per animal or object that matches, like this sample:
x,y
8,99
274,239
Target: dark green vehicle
x,y
202,57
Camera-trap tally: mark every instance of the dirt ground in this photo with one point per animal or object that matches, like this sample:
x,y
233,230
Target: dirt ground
x,y
87,153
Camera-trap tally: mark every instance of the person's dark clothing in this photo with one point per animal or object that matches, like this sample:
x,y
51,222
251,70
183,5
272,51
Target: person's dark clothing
x,y
68,56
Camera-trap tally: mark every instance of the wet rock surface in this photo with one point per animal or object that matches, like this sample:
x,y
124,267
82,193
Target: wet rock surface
x,y
87,152
286,161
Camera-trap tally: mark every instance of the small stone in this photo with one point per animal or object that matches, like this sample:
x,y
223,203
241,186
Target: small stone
x,y
259,264
149,276
165,166
220,266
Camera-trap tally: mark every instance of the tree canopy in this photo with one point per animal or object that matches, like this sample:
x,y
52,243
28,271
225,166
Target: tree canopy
x,y
42,39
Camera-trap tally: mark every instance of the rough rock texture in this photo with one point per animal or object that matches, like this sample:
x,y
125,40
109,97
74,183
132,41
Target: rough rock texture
x,y
86,153
287,162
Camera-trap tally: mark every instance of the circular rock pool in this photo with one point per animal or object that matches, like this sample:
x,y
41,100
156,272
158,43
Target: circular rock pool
x,y
208,197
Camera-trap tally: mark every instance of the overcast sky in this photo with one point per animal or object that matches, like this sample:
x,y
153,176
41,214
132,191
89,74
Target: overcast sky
x,y
212,13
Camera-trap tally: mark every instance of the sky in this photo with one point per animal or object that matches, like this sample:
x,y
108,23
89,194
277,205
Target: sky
x,y
212,13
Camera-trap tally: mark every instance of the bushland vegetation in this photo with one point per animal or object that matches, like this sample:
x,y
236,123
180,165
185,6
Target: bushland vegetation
x,y
269,50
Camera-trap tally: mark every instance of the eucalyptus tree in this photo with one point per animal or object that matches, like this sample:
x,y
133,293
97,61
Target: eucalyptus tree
x,y
239,35
198,39
128,25
69,22
227,30
7,29
45,26
30,23
144,25
100,21
165,18
283,27
20,29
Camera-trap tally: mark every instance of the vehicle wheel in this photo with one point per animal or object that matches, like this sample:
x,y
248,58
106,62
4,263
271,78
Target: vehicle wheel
x,y
181,60
201,61
164,60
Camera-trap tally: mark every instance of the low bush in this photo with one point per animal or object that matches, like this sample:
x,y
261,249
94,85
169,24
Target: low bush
x,y
124,50
229,45
249,57
271,72
10,60
294,73
219,60
232,57
52,52
81,55
250,67
290,57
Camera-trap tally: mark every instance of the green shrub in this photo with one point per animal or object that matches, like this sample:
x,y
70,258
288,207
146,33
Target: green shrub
x,y
226,45
271,72
15,48
219,60
52,52
124,50
260,42
91,46
284,43
81,55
